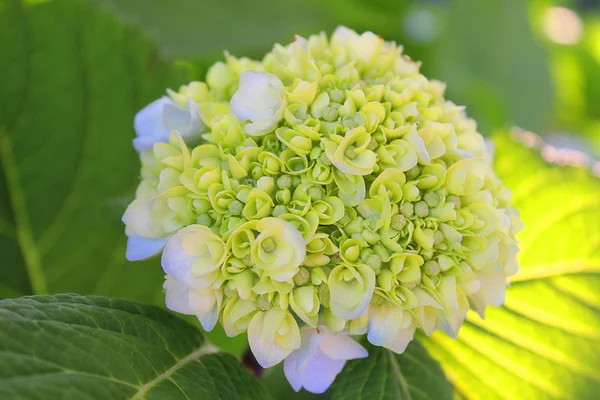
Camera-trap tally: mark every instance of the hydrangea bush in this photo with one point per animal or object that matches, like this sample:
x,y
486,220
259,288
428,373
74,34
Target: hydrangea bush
x,y
328,190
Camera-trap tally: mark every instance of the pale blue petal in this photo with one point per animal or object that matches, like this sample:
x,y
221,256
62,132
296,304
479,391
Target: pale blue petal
x,y
342,347
148,124
139,247
320,372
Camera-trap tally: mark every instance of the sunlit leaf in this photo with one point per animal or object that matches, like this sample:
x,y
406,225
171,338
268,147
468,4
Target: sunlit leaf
x,y
544,342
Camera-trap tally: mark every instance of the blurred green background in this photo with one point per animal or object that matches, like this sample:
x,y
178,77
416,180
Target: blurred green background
x,y
73,73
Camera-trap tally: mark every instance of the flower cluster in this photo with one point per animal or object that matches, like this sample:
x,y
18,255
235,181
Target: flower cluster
x,y
330,187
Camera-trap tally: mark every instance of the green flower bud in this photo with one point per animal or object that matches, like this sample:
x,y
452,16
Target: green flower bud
x,y
374,261
336,324
330,114
406,267
431,198
432,177
466,176
411,191
392,181
350,250
299,139
351,188
283,196
237,315
302,277
337,95
284,182
374,113
235,207
349,215
444,213
316,193
351,289
413,173
398,154
258,205
438,237
304,92
279,210
271,164
307,224
295,164
432,268
350,153
421,209
424,238
454,200
329,210
227,132
204,219
279,249
317,276
320,173
304,301
403,297
398,222
407,210
266,184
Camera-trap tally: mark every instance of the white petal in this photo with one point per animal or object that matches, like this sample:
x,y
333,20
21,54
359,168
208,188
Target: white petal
x,y
425,299
139,220
384,324
343,34
266,352
176,296
430,318
402,339
259,99
418,144
178,263
342,347
491,293
206,304
139,247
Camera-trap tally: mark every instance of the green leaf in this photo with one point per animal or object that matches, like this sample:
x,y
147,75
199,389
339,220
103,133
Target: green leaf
x,y
73,78
14,281
74,347
387,375
543,343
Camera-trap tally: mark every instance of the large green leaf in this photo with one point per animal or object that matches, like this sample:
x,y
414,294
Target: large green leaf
x,y
387,375
72,78
75,347
544,342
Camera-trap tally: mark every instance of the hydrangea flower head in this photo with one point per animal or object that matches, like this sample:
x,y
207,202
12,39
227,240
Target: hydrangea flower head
x,y
325,191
